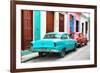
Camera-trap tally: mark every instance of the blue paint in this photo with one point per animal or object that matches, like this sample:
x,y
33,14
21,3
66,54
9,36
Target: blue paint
x,y
72,25
37,21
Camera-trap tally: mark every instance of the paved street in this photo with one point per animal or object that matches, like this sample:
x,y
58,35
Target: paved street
x,y
82,53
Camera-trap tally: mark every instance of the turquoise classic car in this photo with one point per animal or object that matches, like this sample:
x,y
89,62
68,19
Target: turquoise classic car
x,y
56,42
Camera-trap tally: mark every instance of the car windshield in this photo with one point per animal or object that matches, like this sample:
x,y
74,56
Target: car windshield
x,y
56,36
52,36
75,35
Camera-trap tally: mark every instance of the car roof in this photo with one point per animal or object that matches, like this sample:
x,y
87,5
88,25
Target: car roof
x,y
57,33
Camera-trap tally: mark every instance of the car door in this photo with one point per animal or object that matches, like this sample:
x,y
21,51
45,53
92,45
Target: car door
x,y
67,42
70,42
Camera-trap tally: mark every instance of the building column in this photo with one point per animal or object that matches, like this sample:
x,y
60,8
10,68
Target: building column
x,y
56,21
80,26
84,29
43,24
88,31
37,25
65,23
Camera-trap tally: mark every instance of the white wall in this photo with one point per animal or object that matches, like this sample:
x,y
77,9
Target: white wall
x,y
43,23
56,21
5,37
83,20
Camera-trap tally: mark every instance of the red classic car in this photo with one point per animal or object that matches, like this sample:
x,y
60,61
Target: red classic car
x,y
81,39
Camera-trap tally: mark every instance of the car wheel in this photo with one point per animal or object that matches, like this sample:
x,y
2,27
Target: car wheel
x,y
81,44
85,43
62,53
42,54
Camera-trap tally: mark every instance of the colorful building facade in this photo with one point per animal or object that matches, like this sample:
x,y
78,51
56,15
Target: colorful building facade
x,y
42,22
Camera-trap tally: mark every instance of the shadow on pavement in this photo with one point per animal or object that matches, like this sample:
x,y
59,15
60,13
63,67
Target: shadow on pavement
x,y
49,57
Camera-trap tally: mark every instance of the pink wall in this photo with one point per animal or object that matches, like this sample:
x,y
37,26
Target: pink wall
x,y
76,17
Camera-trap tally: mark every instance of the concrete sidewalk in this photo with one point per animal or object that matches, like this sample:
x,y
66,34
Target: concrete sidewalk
x,y
28,57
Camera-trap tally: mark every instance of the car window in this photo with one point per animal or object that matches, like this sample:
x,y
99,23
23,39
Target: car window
x,y
53,36
65,36
75,35
56,36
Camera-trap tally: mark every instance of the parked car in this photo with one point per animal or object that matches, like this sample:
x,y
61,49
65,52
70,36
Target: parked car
x,y
81,39
56,42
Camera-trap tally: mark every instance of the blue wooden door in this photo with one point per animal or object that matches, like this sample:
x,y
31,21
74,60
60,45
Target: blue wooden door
x,y
71,23
37,22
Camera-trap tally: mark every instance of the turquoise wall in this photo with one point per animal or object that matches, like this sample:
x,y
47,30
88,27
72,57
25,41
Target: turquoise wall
x,y
37,26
